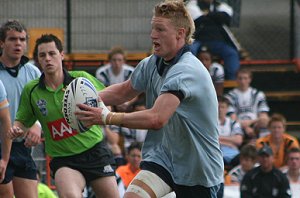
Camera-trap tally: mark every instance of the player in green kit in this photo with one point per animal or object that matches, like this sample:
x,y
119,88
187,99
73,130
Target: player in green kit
x,y
78,158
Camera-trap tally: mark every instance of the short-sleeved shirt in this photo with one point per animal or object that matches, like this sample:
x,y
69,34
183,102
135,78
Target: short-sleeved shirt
x,y
3,97
281,154
237,173
39,102
107,77
126,174
14,82
247,105
257,184
187,146
130,135
217,73
230,128
286,171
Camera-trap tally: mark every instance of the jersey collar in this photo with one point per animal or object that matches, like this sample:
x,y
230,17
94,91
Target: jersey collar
x,y
163,65
67,79
13,71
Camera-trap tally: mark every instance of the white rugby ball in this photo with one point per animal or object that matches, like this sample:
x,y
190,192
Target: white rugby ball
x,y
79,91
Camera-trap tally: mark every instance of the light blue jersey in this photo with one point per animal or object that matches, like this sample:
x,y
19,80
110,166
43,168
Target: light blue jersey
x,y
15,84
3,96
187,146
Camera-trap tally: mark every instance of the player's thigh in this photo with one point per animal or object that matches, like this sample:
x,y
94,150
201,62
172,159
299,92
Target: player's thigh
x,y
147,184
105,187
69,182
25,188
6,190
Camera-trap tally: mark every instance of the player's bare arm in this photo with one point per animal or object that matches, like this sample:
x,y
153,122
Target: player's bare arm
x,y
17,130
5,141
154,118
33,136
118,93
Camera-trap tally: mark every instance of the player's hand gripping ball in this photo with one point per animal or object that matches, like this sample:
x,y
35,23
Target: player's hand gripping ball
x,y
79,91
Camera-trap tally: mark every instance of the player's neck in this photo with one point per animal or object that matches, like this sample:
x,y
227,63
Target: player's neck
x,y
133,168
116,71
294,173
243,89
54,80
277,140
222,119
9,62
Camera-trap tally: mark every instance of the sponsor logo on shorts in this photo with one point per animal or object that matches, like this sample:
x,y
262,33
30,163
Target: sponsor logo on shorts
x,y
60,129
108,169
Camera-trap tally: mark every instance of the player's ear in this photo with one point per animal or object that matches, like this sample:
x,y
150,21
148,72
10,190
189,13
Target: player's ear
x,y
62,55
180,33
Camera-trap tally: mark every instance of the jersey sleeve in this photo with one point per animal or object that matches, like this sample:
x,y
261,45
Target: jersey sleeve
x,y
102,76
178,80
237,129
25,113
3,96
262,103
232,104
140,75
260,142
291,142
217,73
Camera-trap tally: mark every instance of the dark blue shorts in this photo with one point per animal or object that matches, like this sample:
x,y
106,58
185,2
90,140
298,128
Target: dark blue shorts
x,y
180,190
92,164
20,163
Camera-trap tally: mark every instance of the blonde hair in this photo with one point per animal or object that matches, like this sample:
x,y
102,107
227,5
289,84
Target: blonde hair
x,y
175,11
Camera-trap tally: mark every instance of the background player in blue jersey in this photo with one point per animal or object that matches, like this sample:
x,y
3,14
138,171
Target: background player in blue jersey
x,y
15,72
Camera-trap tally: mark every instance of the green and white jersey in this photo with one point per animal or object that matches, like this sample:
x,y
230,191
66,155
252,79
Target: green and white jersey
x,y
39,102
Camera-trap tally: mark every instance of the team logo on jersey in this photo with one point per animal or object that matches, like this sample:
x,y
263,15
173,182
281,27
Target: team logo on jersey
x,y
60,129
41,103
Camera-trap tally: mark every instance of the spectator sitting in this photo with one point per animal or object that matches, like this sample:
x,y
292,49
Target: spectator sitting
x,y
248,105
130,170
279,141
215,69
293,166
265,180
116,71
123,137
247,162
231,134
211,19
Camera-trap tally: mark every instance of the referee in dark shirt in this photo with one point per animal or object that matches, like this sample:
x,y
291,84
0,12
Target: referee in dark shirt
x,y
265,181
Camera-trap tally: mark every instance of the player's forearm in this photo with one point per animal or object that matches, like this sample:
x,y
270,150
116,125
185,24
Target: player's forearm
x,y
112,137
21,126
232,140
5,140
154,118
118,94
146,119
5,148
